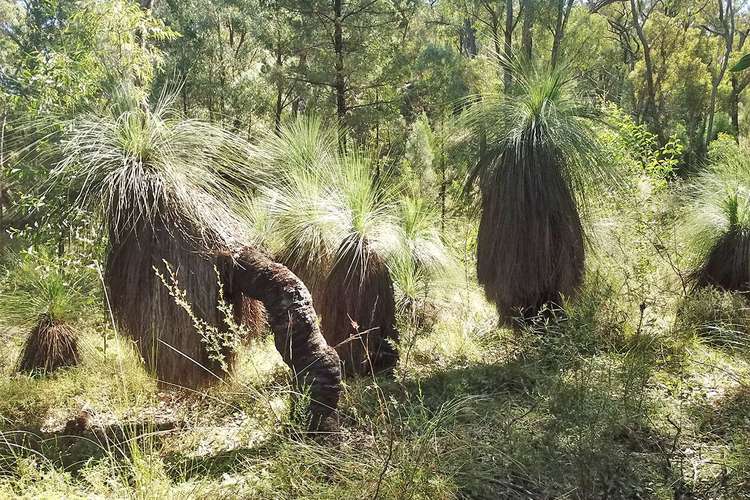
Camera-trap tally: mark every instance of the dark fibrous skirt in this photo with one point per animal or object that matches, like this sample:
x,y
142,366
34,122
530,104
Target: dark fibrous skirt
x,y
530,248
50,345
358,312
164,333
728,264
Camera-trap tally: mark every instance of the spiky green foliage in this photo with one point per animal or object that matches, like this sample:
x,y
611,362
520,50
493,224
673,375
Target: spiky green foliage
x,y
137,163
541,155
341,230
39,295
718,219
423,257
322,200
37,285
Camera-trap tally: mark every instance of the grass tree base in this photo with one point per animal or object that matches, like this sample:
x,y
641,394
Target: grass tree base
x,y
728,265
50,346
358,312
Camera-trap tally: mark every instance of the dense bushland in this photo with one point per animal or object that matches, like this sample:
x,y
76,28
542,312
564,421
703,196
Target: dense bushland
x,y
374,249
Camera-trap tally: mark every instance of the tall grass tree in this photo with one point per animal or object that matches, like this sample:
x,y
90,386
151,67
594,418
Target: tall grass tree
x,y
541,154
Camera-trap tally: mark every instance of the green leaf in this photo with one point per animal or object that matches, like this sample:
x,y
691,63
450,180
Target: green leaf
x,y
743,63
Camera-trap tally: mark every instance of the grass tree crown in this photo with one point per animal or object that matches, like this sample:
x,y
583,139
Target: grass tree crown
x,y
140,164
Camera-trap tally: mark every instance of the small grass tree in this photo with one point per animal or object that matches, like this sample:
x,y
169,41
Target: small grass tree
x,y
718,219
541,153
39,294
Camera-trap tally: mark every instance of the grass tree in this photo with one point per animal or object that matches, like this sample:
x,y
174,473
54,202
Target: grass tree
x,y
338,226
718,221
38,294
163,186
541,153
423,259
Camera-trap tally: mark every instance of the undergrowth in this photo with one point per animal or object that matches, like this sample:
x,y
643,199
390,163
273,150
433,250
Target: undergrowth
x,y
637,388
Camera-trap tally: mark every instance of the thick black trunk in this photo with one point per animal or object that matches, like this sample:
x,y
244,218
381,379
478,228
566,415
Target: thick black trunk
x,y
292,319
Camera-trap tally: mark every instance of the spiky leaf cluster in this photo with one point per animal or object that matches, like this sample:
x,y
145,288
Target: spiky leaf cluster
x,y
137,164
37,285
325,203
546,114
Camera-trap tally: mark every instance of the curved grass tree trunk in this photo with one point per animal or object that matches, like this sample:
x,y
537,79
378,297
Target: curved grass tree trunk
x,y
307,267
530,247
728,264
358,311
294,323
167,337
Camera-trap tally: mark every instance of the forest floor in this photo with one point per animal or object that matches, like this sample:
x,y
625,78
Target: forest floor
x,y
592,405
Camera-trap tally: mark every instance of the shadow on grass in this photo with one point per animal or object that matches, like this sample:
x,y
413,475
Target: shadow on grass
x,y
78,443
552,422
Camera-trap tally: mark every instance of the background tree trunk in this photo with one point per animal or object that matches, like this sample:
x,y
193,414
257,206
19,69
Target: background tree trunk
x,y
650,111
563,13
528,24
339,80
508,45
726,16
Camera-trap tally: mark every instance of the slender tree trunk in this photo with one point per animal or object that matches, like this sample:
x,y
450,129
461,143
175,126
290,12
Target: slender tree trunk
x,y
298,104
443,179
468,39
651,112
508,45
495,28
528,24
734,107
726,15
290,314
279,91
340,80
563,13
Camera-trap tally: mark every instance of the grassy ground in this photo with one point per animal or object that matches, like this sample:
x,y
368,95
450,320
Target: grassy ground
x,y
609,401
642,390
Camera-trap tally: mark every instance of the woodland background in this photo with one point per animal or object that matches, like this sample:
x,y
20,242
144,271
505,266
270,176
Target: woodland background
x,y
640,390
